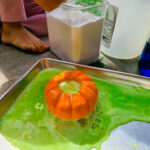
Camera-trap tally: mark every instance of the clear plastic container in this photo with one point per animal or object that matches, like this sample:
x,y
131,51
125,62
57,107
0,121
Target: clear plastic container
x,y
75,31
131,29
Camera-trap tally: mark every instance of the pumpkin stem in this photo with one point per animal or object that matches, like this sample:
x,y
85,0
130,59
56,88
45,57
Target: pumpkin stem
x,y
70,86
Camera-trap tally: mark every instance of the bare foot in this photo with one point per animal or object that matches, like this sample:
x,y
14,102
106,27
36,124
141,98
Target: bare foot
x,y
16,35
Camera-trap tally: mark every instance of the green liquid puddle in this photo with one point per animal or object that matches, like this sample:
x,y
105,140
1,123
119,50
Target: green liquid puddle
x,y
28,125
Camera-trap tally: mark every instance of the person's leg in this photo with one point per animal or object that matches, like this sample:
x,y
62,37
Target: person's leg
x,y
13,31
37,25
36,22
12,11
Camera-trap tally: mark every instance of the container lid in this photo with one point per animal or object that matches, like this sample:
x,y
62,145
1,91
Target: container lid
x,y
75,4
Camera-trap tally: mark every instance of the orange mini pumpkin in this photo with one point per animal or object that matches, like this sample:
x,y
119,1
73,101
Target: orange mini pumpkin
x,y
71,95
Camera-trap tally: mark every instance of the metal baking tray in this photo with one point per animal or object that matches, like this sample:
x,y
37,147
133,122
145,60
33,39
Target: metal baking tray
x,y
139,131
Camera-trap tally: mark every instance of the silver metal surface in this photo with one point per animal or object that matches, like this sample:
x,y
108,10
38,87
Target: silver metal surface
x,y
132,136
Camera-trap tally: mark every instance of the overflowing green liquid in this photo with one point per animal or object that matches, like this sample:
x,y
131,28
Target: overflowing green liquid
x,y
28,125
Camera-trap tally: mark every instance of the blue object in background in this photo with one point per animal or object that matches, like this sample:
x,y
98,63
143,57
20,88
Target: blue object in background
x,y
144,61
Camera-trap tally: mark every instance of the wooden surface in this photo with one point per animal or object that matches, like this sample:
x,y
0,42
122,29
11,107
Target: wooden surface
x,y
14,63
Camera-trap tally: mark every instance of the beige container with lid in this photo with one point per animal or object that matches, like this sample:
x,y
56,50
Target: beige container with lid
x,y
75,31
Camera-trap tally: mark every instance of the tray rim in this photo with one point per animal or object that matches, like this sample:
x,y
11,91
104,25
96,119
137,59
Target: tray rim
x,y
104,70
39,62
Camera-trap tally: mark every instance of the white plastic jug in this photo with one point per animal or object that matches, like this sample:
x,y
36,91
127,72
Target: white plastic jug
x,y
131,30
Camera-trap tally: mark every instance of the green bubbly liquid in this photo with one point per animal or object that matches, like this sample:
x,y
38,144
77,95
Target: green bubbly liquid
x,y
28,125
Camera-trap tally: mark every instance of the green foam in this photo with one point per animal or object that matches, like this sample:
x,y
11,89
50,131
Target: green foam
x,y
28,125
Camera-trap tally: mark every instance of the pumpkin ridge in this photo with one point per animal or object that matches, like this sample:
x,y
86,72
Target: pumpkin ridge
x,y
83,77
47,102
77,80
58,103
51,89
47,89
71,104
80,107
71,98
88,88
77,75
59,98
86,98
91,85
86,102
